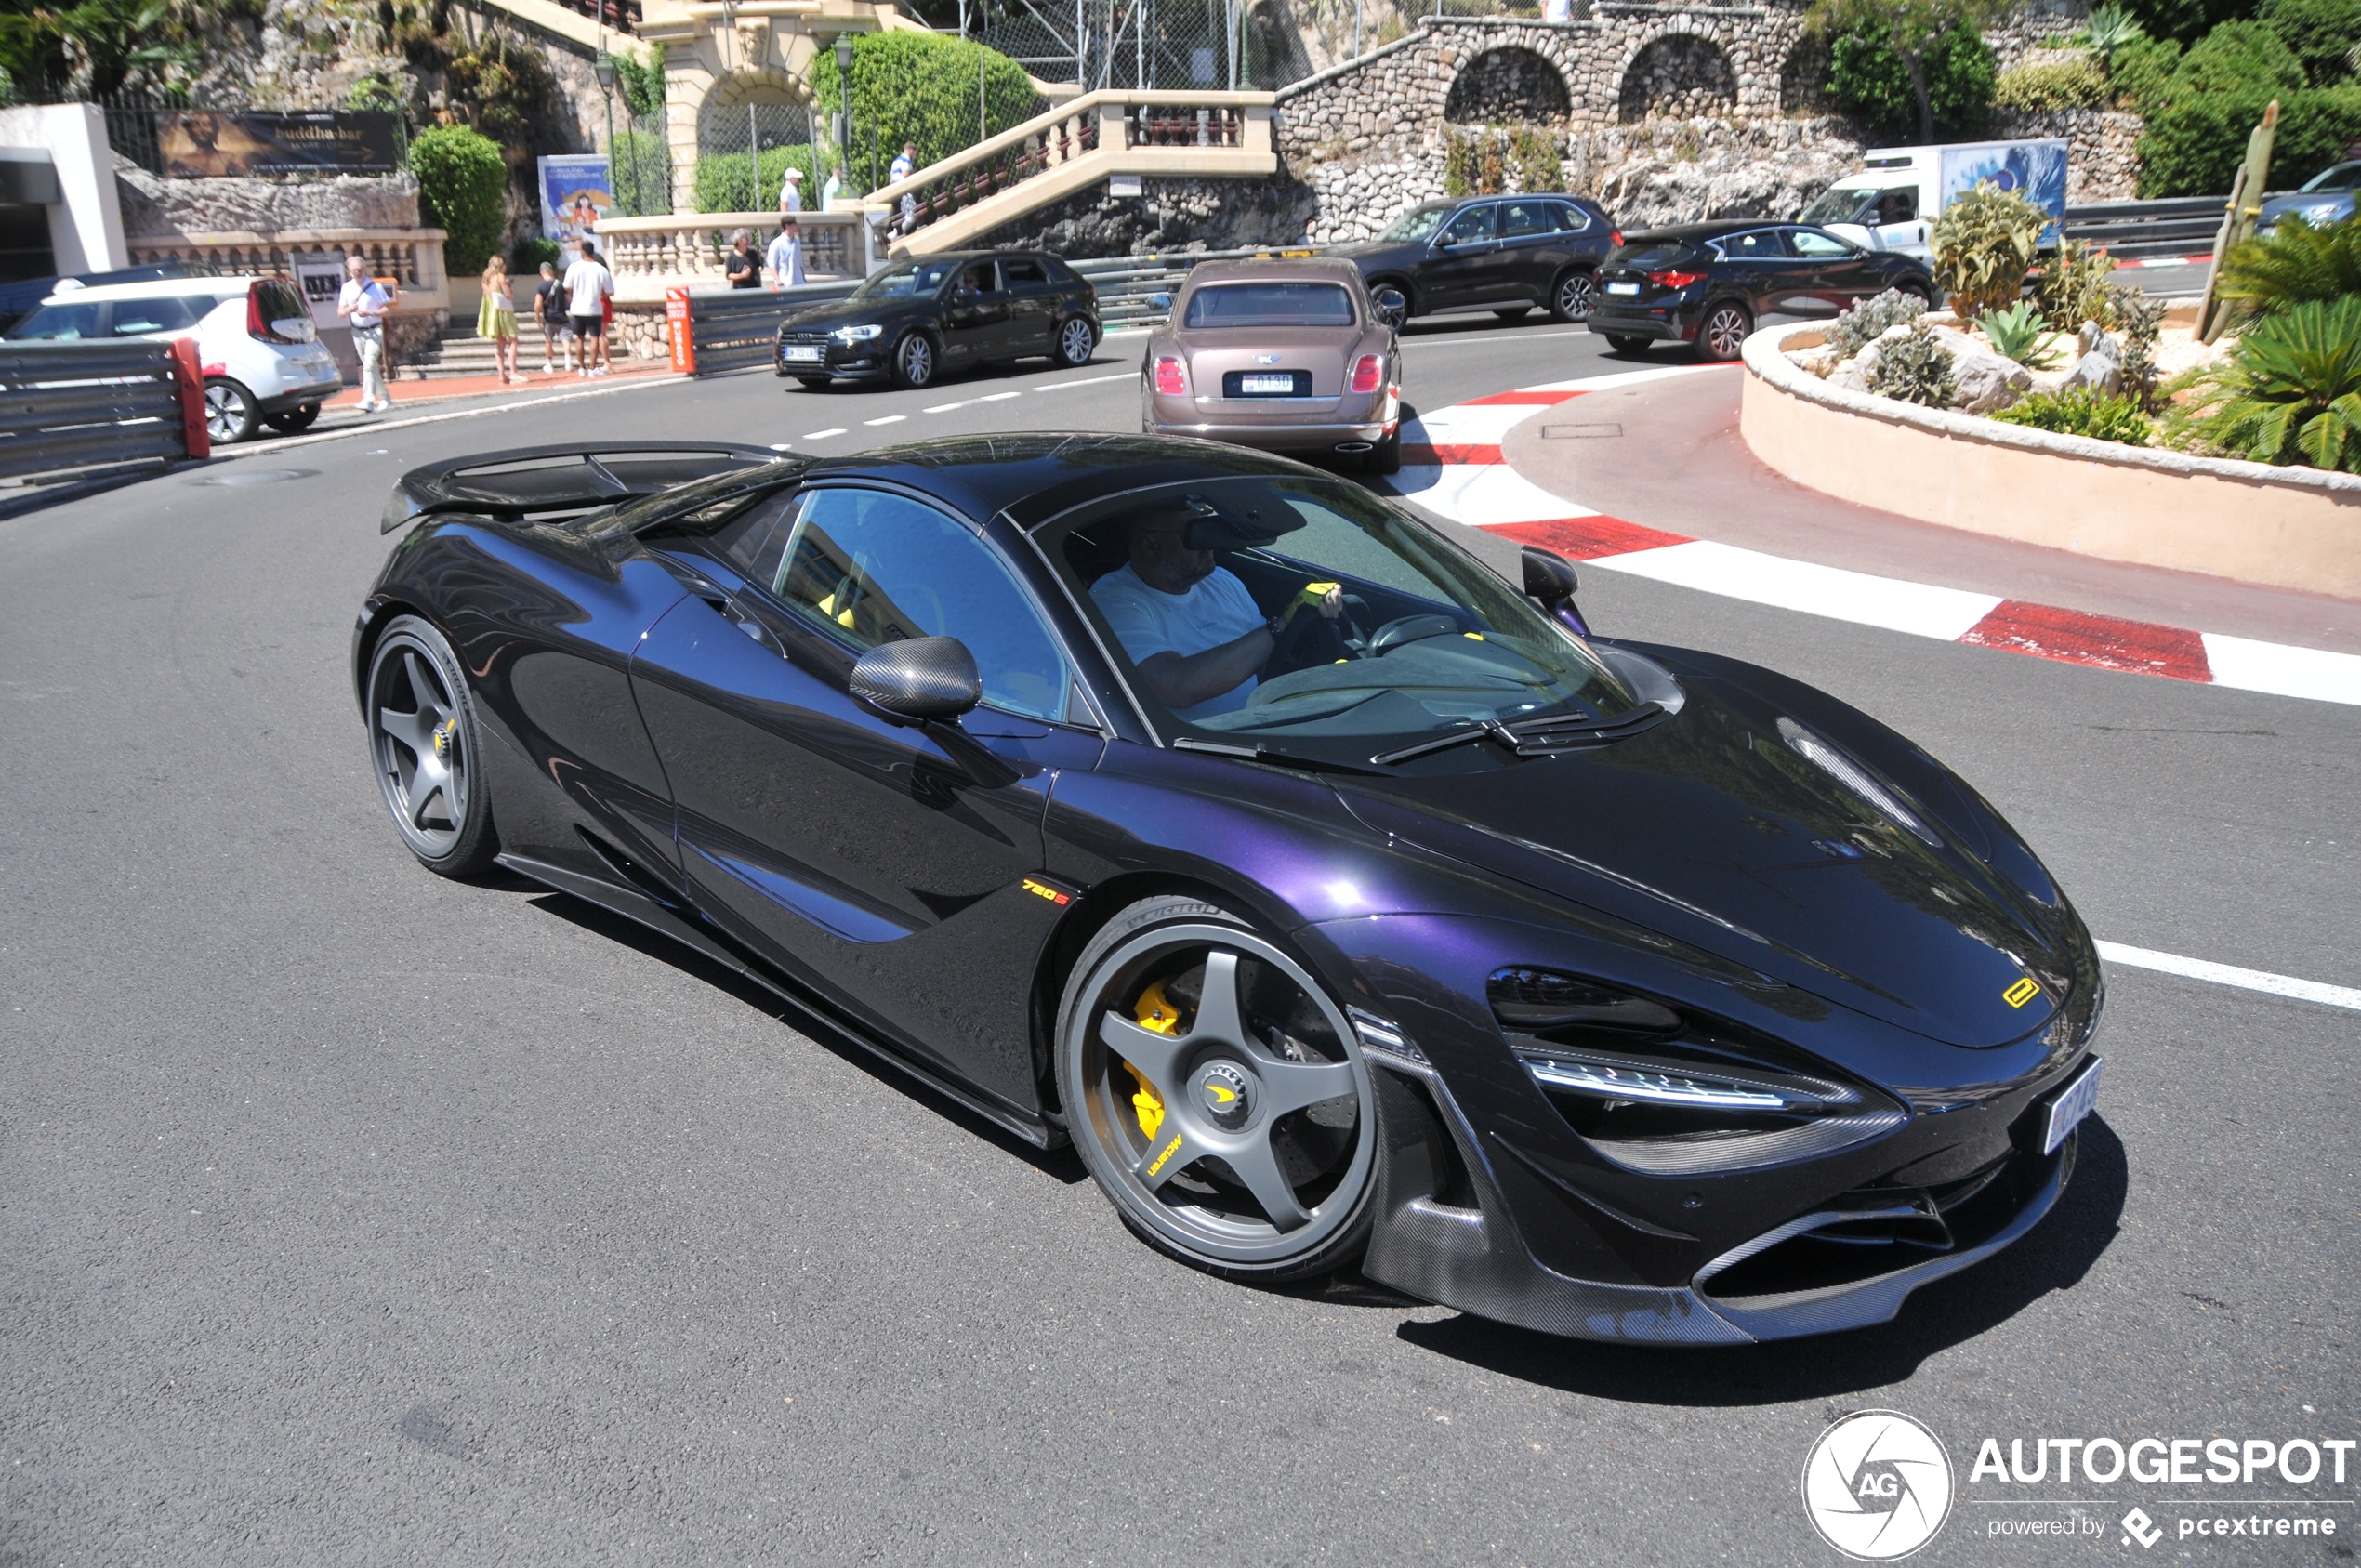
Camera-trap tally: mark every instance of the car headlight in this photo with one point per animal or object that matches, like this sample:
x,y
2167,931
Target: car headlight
x,y
1653,1091
855,333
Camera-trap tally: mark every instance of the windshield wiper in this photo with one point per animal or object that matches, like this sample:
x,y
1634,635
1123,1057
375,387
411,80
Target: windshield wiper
x,y
1260,753
1535,737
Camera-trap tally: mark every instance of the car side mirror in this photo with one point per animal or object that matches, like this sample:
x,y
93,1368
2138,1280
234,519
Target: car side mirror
x,y
1391,307
1548,582
917,681
1160,301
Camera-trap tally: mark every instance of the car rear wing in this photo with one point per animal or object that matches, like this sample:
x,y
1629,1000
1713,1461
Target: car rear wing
x,y
532,479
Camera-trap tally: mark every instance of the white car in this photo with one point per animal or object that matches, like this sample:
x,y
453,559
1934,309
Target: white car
x,y
263,360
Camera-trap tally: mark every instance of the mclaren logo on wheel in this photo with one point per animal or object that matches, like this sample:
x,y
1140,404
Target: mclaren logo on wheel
x,y
1876,1485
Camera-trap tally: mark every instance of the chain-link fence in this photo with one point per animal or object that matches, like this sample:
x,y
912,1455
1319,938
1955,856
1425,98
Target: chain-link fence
x,y
1132,43
641,163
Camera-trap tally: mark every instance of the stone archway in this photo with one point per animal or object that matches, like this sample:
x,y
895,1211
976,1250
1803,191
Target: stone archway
x,y
1678,75
1508,86
780,113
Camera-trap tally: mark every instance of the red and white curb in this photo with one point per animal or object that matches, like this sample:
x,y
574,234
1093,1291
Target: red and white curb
x,y
1452,466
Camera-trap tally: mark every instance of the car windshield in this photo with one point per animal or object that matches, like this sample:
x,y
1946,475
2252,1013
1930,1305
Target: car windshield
x,y
911,280
56,324
1840,205
2344,177
1269,305
1390,635
1419,222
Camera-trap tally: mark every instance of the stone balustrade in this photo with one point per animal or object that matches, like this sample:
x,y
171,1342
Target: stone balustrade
x,y
412,257
691,250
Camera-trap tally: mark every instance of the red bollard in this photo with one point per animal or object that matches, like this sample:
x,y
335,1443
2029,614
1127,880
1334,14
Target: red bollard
x,y
187,377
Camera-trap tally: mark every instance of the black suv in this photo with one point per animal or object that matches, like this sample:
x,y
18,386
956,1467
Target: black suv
x,y
916,318
1510,253
1707,284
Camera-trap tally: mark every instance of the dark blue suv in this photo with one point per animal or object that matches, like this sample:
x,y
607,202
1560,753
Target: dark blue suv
x,y
1510,253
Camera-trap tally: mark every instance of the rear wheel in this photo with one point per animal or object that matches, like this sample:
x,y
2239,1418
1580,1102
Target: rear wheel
x,y
1575,295
1629,344
914,361
426,742
1076,343
1217,1094
295,421
230,414
1723,332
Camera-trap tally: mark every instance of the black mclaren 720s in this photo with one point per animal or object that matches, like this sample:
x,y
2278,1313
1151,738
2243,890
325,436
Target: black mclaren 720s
x,y
1344,904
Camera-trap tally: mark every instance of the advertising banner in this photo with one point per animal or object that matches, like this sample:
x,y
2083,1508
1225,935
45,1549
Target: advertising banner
x,y
208,143
577,189
2035,169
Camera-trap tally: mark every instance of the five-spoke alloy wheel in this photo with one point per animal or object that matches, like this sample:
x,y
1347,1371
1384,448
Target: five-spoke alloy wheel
x,y
230,412
424,740
1217,1093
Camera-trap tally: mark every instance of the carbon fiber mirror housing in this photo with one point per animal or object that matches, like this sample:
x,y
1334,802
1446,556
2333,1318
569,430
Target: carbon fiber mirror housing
x,y
918,680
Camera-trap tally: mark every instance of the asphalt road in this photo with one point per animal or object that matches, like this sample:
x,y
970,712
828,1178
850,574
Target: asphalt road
x,y
349,1216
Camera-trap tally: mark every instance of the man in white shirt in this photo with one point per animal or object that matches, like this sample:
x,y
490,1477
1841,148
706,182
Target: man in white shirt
x,y
1189,626
791,189
903,169
786,256
832,191
587,285
363,305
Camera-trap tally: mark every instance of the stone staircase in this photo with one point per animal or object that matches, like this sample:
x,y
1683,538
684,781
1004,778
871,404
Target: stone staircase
x,y
460,352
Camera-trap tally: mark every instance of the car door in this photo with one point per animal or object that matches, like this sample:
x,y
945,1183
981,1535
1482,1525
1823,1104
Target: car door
x,y
1756,263
1895,225
1032,305
975,316
1835,273
1532,250
1459,264
883,864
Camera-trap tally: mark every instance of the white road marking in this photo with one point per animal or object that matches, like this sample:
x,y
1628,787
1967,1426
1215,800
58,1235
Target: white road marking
x,y
1920,609
1089,381
888,420
999,397
258,449
784,446
2283,671
1439,340
823,435
1478,494
2228,974
969,402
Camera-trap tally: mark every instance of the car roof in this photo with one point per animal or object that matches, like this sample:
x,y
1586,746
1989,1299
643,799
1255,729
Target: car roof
x,y
1689,234
1276,268
154,289
1035,477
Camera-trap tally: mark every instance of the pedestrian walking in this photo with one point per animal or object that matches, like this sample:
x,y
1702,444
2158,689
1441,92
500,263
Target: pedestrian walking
x,y
832,191
588,286
791,189
363,303
903,166
550,309
744,269
786,256
496,318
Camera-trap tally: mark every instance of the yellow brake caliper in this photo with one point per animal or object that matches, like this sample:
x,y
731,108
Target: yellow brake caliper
x,y
1153,1012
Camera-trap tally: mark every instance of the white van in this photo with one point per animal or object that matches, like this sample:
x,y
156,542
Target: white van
x,y
1891,201
262,357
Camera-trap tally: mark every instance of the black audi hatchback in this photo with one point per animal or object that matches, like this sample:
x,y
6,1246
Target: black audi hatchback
x,y
1510,253
1708,284
921,316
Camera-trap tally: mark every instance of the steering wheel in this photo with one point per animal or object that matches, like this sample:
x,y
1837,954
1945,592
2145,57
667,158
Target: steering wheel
x,y
1410,628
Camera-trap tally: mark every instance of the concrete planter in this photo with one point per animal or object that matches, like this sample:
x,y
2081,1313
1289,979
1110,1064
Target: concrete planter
x,y
2288,528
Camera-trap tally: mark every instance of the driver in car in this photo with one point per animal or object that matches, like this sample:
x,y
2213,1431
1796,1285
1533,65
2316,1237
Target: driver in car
x,y
1196,635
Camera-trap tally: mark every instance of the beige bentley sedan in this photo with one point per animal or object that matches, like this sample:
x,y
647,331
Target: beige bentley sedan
x,y
1284,355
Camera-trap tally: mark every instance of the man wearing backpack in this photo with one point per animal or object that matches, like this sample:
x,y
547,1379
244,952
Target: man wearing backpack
x,y
588,285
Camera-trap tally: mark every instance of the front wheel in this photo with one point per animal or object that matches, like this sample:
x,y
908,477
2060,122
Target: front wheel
x,y
1076,343
426,745
913,362
295,421
1575,298
1217,1094
230,412
1723,333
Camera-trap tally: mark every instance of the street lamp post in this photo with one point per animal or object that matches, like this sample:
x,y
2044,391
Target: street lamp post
x,y
603,68
844,96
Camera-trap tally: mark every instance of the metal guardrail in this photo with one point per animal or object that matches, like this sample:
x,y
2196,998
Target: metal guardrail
x,y
66,407
2182,225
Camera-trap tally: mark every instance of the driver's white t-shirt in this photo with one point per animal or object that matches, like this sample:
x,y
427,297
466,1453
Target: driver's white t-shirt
x,y
1216,610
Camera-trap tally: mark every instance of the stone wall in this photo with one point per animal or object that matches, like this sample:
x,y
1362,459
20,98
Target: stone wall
x,y
1683,171
1167,214
2103,161
157,208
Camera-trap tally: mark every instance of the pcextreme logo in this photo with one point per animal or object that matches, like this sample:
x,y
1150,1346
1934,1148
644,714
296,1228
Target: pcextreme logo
x,y
1876,1485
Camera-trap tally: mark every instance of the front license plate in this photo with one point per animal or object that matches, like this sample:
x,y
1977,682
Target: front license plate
x,y
2073,1104
1623,288
801,353
1253,386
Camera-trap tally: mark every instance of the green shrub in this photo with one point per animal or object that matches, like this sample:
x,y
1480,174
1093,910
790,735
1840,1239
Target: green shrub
x,y
463,190
2238,56
643,168
526,259
2318,32
372,93
1868,79
2082,411
1917,368
2066,83
2075,285
2110,31
642,83
2193,145
724,185
921,88
1864,321
2141,71
2295,263
2020,333
2185,22
1983,242
2139,317
1533,154
2290,392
